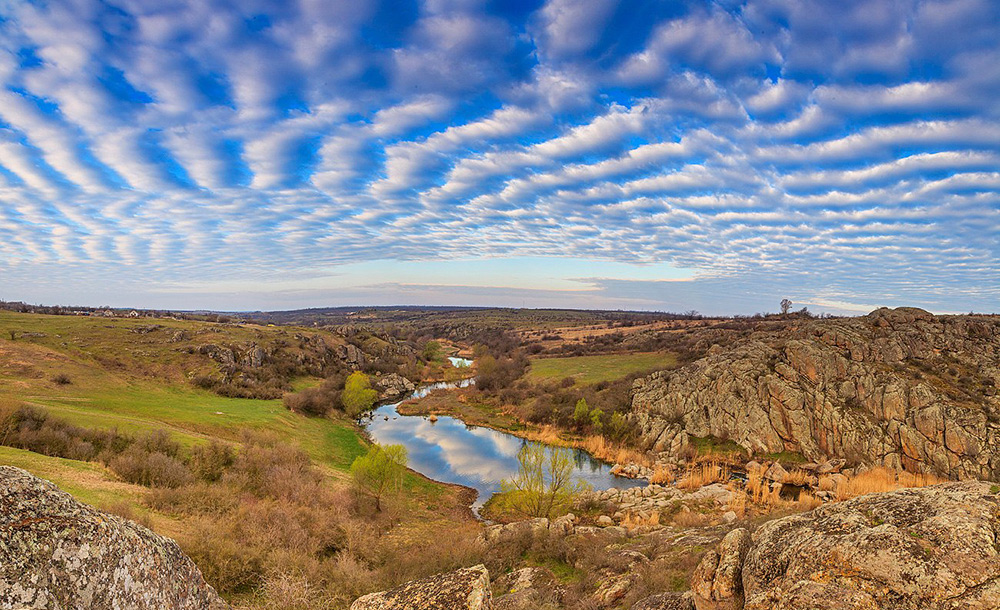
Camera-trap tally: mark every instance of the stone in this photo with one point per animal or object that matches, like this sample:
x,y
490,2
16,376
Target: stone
x,y
717,581
775,473
56,552
465,589
666,601
729,517
605,521
931,548
526,589
393,386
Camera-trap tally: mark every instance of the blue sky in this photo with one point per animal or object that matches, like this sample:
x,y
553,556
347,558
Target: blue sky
x,y
715,156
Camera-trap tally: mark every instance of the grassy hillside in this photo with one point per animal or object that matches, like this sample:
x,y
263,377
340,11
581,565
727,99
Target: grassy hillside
x,y
138,382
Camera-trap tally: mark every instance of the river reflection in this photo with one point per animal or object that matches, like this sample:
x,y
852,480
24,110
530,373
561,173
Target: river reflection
x,y
449,451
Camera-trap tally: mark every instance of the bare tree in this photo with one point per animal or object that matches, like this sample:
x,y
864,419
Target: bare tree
x,y
786,306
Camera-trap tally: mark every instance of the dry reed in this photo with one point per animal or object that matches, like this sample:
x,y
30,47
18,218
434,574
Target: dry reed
x,y
704,473
881,479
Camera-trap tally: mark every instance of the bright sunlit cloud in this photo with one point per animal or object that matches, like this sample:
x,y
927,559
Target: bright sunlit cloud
x,y
691,155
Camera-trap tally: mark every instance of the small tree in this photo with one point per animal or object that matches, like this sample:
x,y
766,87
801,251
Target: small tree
x,y
786,306
358,395
432,351
618,426
543,484
379,472
13,335
597,419
581,414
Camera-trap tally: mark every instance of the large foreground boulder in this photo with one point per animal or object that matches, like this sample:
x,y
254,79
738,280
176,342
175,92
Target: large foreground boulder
x,y
58,553
465,589
935,548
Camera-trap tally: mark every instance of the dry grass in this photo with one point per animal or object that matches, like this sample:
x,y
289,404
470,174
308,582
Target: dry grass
x,y
633,521
662,475
882,479
738,503
704,473
807,502
602,449
757,487
691,519
796,476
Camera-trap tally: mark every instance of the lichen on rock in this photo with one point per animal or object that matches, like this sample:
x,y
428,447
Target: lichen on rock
x,y
56,552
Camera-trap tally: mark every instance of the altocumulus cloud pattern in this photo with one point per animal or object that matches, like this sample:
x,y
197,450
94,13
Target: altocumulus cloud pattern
x,y
843,153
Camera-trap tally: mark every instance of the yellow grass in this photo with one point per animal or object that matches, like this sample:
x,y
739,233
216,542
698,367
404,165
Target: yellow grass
x,y
883,479
738,503
662,475
796,476
602,449
757,487
704,473
597,446
633,521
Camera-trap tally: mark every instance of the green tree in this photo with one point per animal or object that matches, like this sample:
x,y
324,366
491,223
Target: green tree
x,y
379,472
543,484
581,414
358,395
596,419
432,351
618,426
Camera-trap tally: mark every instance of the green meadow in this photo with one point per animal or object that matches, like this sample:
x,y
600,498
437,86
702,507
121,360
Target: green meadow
x,y
604,367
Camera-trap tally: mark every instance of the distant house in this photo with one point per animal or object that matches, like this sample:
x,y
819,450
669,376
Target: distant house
x,y
133,314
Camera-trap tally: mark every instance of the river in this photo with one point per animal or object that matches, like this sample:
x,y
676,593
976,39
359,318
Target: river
x,y
450,451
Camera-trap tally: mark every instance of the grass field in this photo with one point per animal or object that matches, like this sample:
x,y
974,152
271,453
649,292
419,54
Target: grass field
x,y
604,367
137,383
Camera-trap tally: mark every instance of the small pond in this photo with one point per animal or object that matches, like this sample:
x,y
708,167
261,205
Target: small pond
x,y
449,451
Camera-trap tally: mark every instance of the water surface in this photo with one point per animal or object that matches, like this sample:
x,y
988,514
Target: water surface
x,y
449,451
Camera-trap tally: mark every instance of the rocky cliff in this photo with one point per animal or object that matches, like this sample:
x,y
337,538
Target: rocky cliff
x,y
900,388
58,553
933,548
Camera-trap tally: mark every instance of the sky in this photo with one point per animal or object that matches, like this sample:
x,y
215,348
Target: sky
x,y
651,155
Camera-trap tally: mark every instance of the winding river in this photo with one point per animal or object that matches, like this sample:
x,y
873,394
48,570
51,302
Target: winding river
x,y
450,451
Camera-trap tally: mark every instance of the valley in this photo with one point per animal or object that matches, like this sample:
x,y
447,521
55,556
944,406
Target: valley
x,y
241,439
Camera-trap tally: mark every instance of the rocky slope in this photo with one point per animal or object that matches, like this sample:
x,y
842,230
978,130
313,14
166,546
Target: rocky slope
x,y
933,548
900,388
58,553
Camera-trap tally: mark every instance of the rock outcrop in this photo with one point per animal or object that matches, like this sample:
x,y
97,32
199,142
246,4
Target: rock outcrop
x,y
899,388
393,386
465,589
717,581
58,553
933,548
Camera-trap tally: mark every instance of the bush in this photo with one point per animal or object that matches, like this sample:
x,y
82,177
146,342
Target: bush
x,y
152,469
62,379
209,462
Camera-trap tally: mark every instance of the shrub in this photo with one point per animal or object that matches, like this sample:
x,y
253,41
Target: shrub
x,y
62,379
209,462
153,469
